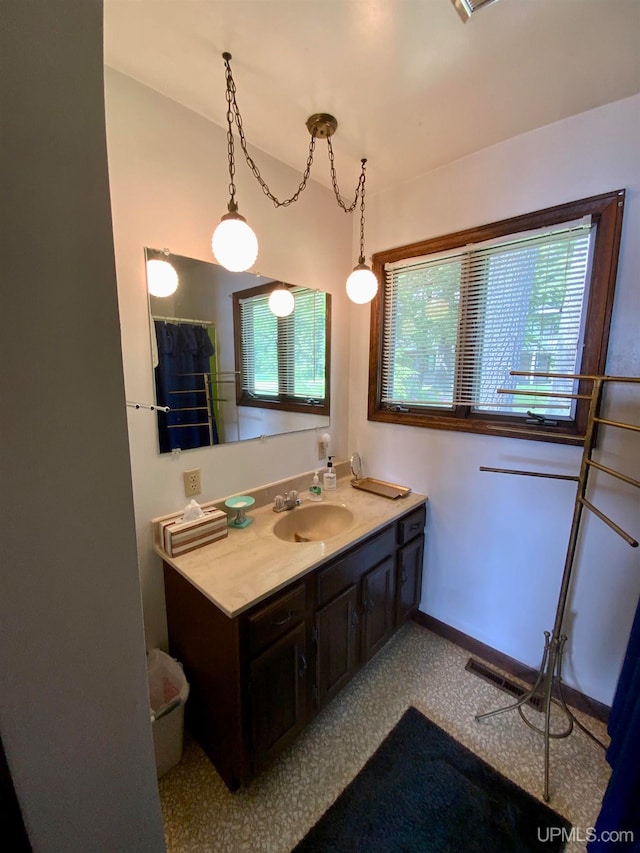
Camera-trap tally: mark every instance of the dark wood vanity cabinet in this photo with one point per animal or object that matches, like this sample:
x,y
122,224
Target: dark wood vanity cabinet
x,y
258,679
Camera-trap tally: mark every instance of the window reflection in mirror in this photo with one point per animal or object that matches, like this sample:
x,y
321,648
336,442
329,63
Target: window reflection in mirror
x,y
194,360
282,363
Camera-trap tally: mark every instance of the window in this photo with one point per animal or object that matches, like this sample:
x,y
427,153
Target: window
x,y
455,315
282,362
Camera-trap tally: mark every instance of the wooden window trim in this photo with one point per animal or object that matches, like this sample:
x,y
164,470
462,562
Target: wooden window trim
x,y
606,212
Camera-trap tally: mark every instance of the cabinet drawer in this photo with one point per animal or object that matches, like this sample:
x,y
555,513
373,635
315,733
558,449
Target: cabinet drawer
x,y
347,571
276,618
411,525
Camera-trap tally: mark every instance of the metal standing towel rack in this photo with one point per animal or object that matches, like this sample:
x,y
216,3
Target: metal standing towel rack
x,y
549,675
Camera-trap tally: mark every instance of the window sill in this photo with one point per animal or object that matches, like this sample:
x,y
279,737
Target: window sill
x,y
284,405
560,435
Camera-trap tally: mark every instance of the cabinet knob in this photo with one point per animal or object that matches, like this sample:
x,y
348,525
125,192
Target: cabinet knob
x,y
355,618
405,577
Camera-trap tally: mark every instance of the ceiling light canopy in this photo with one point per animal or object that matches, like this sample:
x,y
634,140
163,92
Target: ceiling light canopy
x,y
234,243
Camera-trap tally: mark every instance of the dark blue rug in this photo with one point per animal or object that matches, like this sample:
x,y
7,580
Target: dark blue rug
x,y
423,792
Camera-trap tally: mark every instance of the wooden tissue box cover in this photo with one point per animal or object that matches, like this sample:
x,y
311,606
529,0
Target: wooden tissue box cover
x,y
178,537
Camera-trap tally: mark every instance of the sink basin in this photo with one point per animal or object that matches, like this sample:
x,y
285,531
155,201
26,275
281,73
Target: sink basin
x,y
313,523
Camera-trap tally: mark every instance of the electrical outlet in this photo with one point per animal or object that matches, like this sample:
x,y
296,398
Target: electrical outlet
x,y
191,482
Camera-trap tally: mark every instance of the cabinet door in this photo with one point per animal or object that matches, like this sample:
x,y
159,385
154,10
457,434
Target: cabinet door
x,y
409,579
278,690
337,625
378,606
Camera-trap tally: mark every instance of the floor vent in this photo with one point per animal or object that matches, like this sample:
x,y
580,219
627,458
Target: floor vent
x,y
501,682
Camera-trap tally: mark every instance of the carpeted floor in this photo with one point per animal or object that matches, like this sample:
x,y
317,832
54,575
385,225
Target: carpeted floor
x,y
416,668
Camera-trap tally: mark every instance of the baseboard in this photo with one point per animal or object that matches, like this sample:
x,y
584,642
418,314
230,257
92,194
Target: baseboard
x,y
573,697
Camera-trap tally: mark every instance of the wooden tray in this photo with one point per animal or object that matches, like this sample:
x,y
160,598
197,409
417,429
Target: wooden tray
x,y
379,487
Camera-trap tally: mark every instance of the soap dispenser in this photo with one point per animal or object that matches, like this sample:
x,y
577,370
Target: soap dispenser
x,y
315,489
329,478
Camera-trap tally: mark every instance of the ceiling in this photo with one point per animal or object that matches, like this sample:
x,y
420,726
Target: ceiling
x,y
412,86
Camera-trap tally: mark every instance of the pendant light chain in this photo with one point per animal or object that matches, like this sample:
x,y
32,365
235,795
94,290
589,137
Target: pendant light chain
x,y
361,259
233,104
234,243
230,147
334,181
360,191
233,112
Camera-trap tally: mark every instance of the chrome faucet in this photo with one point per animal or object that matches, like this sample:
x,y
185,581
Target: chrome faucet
x,y
287,501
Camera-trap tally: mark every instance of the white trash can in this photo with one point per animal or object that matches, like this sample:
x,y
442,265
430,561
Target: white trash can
x,y
168,692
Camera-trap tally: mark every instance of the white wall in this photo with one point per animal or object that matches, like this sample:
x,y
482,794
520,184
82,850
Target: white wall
x,y
74,705
168,176
497,543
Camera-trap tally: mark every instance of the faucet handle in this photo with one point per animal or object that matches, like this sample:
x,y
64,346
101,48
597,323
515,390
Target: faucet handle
x,y
278,503
293,496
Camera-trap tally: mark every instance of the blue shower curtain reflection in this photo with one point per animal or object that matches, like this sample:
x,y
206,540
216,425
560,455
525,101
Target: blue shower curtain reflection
x,y
183,382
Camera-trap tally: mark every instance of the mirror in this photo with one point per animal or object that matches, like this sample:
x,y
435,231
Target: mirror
x,y
197,358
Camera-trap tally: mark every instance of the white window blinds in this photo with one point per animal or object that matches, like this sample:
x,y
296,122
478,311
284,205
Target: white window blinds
x,y
456,323
284,357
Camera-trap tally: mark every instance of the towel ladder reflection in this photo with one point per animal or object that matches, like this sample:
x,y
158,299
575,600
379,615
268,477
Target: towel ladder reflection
x,y
152,407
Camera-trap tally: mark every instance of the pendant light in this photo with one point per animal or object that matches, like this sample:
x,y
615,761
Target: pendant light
x,y
234,244
362,285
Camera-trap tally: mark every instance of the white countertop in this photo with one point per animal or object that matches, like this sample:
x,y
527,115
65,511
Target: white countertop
x,y
251,563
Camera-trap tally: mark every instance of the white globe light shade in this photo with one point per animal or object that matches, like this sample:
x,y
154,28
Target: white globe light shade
x,y
281,302
162,279
234,244
362,285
